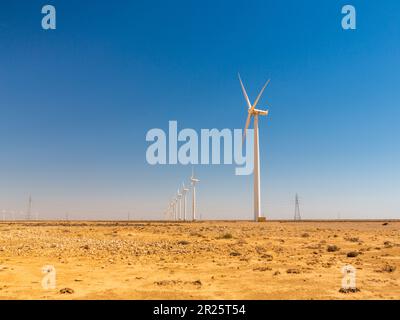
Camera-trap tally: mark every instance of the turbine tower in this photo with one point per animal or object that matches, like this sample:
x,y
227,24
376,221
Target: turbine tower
x,y
254,113
167,212
179,197
193,181
184,192
172,213
297,216
174,203
171,210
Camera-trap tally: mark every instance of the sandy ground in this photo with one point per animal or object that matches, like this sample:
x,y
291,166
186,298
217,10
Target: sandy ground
x,y
203,260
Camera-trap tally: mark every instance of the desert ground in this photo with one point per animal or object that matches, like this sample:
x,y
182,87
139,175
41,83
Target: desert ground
x,y
202,260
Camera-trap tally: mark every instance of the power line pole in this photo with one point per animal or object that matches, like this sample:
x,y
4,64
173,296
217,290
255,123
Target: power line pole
x,y
297,216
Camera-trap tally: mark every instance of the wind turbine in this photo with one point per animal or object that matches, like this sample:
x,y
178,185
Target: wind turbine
x,y
193,181
167,211
184,192
171,210
254,113
174,202
179,197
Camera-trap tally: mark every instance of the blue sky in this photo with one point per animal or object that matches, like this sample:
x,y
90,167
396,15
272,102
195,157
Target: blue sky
x,y
76,104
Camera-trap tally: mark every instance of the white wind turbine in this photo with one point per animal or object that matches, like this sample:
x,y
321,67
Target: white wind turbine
x,y
169,211
166,212
193,181
179,197
172,209
184,192
174,203
253,112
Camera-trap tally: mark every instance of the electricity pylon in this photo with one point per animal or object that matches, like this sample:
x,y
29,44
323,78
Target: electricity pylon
x,y
297,216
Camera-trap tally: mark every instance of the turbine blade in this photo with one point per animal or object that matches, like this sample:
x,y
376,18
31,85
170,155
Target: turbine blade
x,y
259,95
244,92
246,127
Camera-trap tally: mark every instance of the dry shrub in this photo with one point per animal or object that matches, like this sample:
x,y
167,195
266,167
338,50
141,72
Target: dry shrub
x,y
332,248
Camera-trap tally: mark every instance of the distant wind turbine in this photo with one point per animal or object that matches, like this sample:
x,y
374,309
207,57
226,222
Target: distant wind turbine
x,y
170,210
179,197
254,113
174,204
184,192
193,181
167,212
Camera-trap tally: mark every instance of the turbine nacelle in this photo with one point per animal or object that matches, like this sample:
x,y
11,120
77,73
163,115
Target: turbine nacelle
x,y
258,112
193,180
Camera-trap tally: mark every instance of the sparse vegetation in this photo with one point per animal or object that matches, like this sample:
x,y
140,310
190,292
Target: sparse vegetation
x,y
352,254
388,268
293,271
195,234
66,291
388,244
262,269
352,239
226,236
267,257
349,290
332,248
183,242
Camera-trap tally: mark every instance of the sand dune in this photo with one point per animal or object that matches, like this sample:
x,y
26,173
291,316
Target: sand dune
x,y
204,260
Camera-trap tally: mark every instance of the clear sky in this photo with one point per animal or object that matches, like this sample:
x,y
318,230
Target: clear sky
x,y
76,104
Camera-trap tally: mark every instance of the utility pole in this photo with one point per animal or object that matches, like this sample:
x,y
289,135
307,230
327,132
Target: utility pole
x,y
297,216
